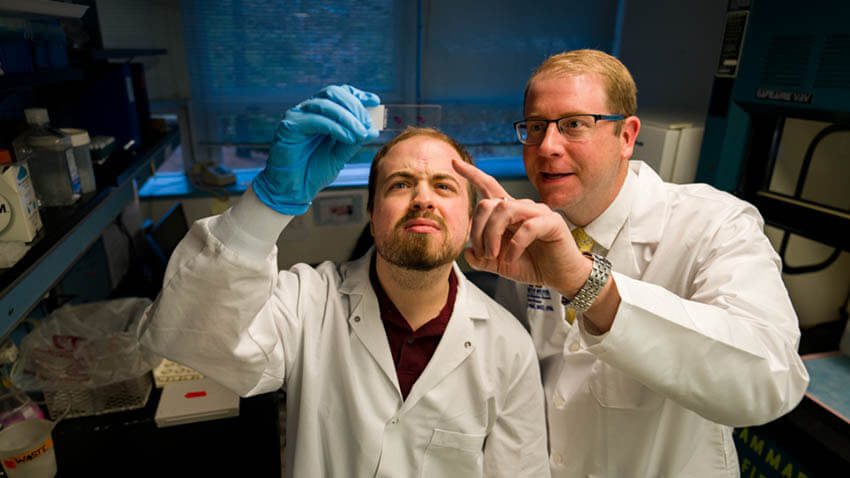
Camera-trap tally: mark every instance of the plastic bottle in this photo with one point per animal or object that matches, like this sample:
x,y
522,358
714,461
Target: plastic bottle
x,y
19,217
82,144
50,155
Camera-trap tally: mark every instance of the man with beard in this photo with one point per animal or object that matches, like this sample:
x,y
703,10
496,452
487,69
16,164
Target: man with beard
x,y
394,364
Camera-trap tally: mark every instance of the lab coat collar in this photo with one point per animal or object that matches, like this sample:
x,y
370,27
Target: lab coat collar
x,y
364,315
604,229
638,212
455,346
649,209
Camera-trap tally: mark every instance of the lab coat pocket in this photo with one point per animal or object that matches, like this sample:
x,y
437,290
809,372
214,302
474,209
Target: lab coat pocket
x,y
615,389
454,454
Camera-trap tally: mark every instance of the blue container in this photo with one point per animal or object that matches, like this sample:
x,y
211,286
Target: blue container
x,y
49,47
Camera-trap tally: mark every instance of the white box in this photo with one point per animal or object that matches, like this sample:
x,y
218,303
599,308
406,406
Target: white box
x,y
670,147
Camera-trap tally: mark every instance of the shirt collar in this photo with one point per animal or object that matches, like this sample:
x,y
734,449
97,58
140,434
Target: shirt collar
x,y
604,229
391,314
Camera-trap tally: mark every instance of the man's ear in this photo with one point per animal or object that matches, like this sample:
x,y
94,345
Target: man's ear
x,y
371,224
628,134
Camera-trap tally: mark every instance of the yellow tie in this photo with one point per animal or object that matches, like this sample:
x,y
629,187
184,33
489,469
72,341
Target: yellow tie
x,y
585,244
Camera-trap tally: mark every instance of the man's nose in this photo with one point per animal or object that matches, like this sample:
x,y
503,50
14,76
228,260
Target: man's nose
x,y
553,142
423,198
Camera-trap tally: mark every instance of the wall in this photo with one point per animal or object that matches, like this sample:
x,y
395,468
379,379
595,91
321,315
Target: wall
x,y
149,24
672,48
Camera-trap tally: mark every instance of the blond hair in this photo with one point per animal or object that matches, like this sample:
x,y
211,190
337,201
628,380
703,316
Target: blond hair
x,y
620,88
408,133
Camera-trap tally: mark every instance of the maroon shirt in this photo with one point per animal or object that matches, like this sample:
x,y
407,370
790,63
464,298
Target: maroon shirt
x,y
411,349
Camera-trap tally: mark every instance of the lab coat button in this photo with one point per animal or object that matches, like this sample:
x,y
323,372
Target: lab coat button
x,y
558,459
394,421
574,346
357,318
467,344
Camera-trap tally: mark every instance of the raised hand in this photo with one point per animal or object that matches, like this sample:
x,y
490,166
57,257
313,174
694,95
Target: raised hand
x,y
312,144
520,239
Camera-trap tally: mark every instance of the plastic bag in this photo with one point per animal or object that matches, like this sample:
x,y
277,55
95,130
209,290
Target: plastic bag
x,y
84,346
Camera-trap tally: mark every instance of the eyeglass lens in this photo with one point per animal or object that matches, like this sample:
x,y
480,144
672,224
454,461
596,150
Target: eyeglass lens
x,y
572,127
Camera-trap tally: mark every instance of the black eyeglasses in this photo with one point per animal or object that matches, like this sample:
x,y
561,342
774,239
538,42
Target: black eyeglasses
x,y
573,127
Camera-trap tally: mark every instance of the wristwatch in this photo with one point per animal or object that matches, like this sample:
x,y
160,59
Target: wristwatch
x,y
598,277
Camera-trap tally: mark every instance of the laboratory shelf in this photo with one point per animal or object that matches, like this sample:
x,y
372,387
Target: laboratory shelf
x,y
40,78
126,53
69,231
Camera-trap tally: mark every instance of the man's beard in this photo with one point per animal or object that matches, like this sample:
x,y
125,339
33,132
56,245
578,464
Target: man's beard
x,y
412,251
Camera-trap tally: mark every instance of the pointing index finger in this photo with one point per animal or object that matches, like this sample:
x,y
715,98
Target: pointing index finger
x,y
486,185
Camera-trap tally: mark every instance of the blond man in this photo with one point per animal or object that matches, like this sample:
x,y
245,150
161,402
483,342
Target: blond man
x,y
662,321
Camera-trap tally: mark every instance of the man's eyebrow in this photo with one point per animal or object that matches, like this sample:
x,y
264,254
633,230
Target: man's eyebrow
x,y
402,174
444,177
535,116
409,175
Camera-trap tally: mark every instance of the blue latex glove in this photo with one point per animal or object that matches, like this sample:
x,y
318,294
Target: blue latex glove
x,y
312,144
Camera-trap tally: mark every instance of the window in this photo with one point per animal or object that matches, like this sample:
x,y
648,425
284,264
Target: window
x,y
251,60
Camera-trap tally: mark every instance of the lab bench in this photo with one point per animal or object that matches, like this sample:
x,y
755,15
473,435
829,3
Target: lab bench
x,y
129,444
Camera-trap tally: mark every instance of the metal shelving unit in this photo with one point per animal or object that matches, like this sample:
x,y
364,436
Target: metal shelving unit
x,y
68,233
41,8
14,81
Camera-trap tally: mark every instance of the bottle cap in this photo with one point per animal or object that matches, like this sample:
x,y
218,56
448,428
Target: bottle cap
x,y
79,137
37,116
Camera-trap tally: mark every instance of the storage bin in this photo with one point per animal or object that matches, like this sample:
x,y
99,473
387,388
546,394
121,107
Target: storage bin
x,y
115,397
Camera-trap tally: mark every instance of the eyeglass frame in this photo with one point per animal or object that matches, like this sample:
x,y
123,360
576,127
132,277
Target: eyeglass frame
x,y
596,119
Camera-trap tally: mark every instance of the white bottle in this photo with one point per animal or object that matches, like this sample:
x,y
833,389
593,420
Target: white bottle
x,y
50,155
19,216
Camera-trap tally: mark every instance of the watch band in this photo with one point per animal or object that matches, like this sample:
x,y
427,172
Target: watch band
x,y
590,290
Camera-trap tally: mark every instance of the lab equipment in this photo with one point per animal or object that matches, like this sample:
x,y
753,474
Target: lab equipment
x,y
773,136
50,156
82,155
397,117
312,144
781,61
670,146
19,216
194,401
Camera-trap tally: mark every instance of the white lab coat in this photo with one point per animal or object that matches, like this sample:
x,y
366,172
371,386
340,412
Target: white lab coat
x,y
705,338
476,410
